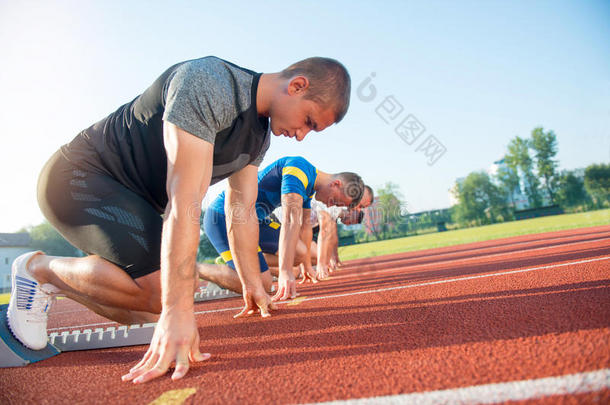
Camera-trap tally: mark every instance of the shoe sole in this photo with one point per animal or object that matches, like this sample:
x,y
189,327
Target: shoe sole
x,y
13,304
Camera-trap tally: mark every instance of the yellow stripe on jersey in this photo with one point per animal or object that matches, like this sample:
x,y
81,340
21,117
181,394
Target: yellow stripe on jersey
x,y
296,172
227,257
274,225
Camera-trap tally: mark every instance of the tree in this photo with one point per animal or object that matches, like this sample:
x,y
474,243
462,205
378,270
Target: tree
x,y
544,145
373,220
597,183
46,238
383,218
480,200
570,190
389,202
518,158
509,182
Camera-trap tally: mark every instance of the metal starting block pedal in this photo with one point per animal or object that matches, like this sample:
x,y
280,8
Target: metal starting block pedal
x,y
103,338
14,354
214,292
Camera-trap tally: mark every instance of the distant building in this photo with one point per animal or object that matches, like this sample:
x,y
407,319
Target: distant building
x,y
12,245
453,200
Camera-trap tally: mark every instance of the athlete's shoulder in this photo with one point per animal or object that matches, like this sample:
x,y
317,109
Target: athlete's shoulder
x,y
208,91
215,72
297,167
298,161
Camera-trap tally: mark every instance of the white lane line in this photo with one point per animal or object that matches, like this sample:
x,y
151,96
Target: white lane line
x,y
416,266
482,248
451,280
465,259
571,384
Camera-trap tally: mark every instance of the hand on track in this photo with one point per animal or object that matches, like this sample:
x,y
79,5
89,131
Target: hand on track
x,y
286,286
332,265
335,263
175,340
308,273
255,302
322,272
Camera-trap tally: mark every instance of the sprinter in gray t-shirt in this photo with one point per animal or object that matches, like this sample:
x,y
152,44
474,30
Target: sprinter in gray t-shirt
x,y
127,191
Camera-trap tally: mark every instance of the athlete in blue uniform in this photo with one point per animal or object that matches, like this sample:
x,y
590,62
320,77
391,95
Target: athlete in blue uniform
x,y
324,253
289,182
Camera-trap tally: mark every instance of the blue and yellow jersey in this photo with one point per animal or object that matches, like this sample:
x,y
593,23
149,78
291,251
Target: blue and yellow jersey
x,y
291,174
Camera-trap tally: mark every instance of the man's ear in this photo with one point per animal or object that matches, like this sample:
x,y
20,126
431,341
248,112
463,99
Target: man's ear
x,y
298,85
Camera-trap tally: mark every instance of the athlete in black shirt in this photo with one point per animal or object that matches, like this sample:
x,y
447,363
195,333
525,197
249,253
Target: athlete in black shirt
x,y
201,121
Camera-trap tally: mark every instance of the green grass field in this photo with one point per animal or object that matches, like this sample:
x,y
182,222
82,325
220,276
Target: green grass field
x,y
478,234
457,237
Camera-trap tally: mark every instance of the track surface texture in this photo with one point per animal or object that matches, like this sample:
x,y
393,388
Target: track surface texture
x,y
531,310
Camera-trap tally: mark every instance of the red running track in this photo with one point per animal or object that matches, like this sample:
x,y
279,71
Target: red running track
x,y
453,319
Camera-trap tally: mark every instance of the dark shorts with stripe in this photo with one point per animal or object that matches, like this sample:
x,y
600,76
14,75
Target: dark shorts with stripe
x,y
215,228
100,216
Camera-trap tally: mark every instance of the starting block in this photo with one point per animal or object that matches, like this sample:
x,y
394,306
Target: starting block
x,y
12,352
214,292
100,338
15,354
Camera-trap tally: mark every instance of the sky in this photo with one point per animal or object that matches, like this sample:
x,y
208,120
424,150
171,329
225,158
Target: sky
x,y
439,88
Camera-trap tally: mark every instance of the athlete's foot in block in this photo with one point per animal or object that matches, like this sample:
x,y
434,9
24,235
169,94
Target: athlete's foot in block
x,y
29,305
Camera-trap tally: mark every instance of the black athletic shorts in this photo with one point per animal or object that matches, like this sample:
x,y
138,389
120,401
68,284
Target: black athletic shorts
x,y
100,216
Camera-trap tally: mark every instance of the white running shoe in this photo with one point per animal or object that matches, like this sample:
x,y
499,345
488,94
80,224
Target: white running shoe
x,y
29,305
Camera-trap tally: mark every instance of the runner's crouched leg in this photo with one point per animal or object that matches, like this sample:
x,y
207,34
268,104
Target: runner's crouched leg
x,y
117,228
214,223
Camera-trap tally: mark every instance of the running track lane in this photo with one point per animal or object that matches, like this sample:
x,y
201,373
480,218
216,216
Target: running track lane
x,y
518,309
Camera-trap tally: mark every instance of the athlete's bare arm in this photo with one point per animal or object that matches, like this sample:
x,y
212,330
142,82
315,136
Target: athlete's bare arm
x,y
242,230
176,337
292,219
306,237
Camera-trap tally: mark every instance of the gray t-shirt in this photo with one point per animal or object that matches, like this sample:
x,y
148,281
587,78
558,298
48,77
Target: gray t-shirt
x,y
210,98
